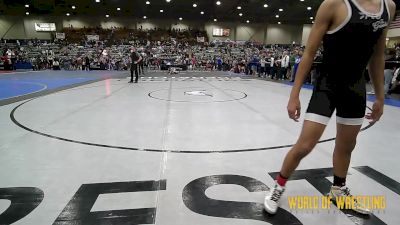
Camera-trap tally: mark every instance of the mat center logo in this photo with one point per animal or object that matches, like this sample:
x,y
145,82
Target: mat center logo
x,y
198,93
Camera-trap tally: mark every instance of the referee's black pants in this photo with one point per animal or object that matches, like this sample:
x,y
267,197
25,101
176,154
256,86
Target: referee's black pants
x,y
134,68
141,68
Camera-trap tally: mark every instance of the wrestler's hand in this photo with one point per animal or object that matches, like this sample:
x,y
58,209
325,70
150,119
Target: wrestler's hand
x,y
377,112
294,109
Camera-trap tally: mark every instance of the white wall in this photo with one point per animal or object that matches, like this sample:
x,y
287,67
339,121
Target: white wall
x,y
80,22
23,27
306,34
4,26
251,32
267,34
132,23
180,25
12,27
151,24
31,33
284,34
393,33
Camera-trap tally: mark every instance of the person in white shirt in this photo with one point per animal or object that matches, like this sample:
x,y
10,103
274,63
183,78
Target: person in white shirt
x,y
263,71
284,66
56,64
271,66
395,88
396,75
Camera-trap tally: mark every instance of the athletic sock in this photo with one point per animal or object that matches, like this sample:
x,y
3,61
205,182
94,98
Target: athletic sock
x,y
339,181
281,180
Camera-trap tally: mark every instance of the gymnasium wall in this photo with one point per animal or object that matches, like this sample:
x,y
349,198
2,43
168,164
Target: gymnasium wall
x,y
284,34
23,28
253,32
306,34
12,28
263,33
29,27
393,33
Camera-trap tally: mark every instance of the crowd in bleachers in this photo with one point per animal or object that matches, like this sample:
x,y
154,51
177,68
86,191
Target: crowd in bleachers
x,y
160,50
170,50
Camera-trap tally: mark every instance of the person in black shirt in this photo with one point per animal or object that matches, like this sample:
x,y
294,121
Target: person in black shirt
x,y
87,63
135,59
141,64
358,37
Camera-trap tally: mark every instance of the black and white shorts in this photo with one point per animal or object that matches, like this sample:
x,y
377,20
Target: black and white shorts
x,y
349,103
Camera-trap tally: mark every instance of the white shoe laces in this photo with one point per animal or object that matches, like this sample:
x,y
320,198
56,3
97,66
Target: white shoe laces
x,y
346,191
276,195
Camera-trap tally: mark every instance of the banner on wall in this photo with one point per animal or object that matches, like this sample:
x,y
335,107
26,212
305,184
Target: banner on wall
x,y
200,39
45,27
93,37
218,32
60,36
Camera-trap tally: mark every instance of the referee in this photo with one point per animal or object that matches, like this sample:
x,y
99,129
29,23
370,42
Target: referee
x,y
135,59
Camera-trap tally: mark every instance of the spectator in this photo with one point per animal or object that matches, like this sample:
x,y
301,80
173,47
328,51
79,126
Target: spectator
x,y
56,64
296,64
395,87
388,76
263,70
284,65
